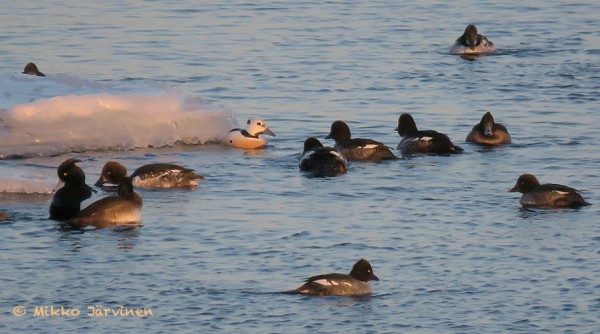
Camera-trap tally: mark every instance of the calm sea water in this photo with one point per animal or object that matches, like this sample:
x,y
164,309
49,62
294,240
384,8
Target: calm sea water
x,y
454,251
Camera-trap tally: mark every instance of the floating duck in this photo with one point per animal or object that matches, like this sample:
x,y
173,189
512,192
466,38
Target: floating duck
x,y
357,148
32,69
422,141
546,195
321,161
353,284
487,132
123,209
66,202
472,43
158,175
248,137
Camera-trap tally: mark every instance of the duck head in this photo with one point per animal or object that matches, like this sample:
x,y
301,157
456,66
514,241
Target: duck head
x,y
487,124
112,172
525,183
32,69
406,125
470,36
363,271
310,144
339,131
257,127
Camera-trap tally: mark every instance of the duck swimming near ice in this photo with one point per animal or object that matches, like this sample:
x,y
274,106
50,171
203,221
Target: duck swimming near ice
x,y
122,209
157,175
32,69
248,137
66,202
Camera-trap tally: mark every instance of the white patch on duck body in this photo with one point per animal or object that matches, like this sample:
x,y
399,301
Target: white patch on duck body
x,y
254,127
561,192
416,139
486,46
339,156
326,282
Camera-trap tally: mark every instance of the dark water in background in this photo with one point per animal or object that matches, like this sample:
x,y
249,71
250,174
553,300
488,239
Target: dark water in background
x,y
452,248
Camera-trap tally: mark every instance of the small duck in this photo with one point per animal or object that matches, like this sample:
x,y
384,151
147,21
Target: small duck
x,y
249,137
123,209
321,161
546,195
358,149
66,202
487,132
424,141
353,284
157,175
471,43
32,69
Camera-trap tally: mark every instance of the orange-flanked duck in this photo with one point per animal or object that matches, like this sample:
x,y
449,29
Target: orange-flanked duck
x,y
248,137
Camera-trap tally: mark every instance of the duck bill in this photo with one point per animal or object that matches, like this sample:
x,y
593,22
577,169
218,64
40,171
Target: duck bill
x,y
328,136
488,127
513,189
373,278
59,185
100,181
268,132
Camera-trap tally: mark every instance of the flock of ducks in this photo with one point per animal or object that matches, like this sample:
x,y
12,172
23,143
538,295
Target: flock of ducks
x,y
317,160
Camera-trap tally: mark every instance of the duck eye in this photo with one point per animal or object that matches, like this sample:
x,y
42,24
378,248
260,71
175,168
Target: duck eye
x,y
65,174
259,123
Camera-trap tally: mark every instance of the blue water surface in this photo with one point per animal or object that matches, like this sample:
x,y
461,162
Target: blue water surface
x,y
453,249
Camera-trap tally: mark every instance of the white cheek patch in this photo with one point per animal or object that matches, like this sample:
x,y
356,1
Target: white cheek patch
x,y
307,155
326,282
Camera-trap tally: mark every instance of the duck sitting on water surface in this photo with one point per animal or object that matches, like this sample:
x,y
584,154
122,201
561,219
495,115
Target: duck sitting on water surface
x,y
335,284
358,149
157,175
66,201
423,141
472,43
248,137
546,195
321,161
